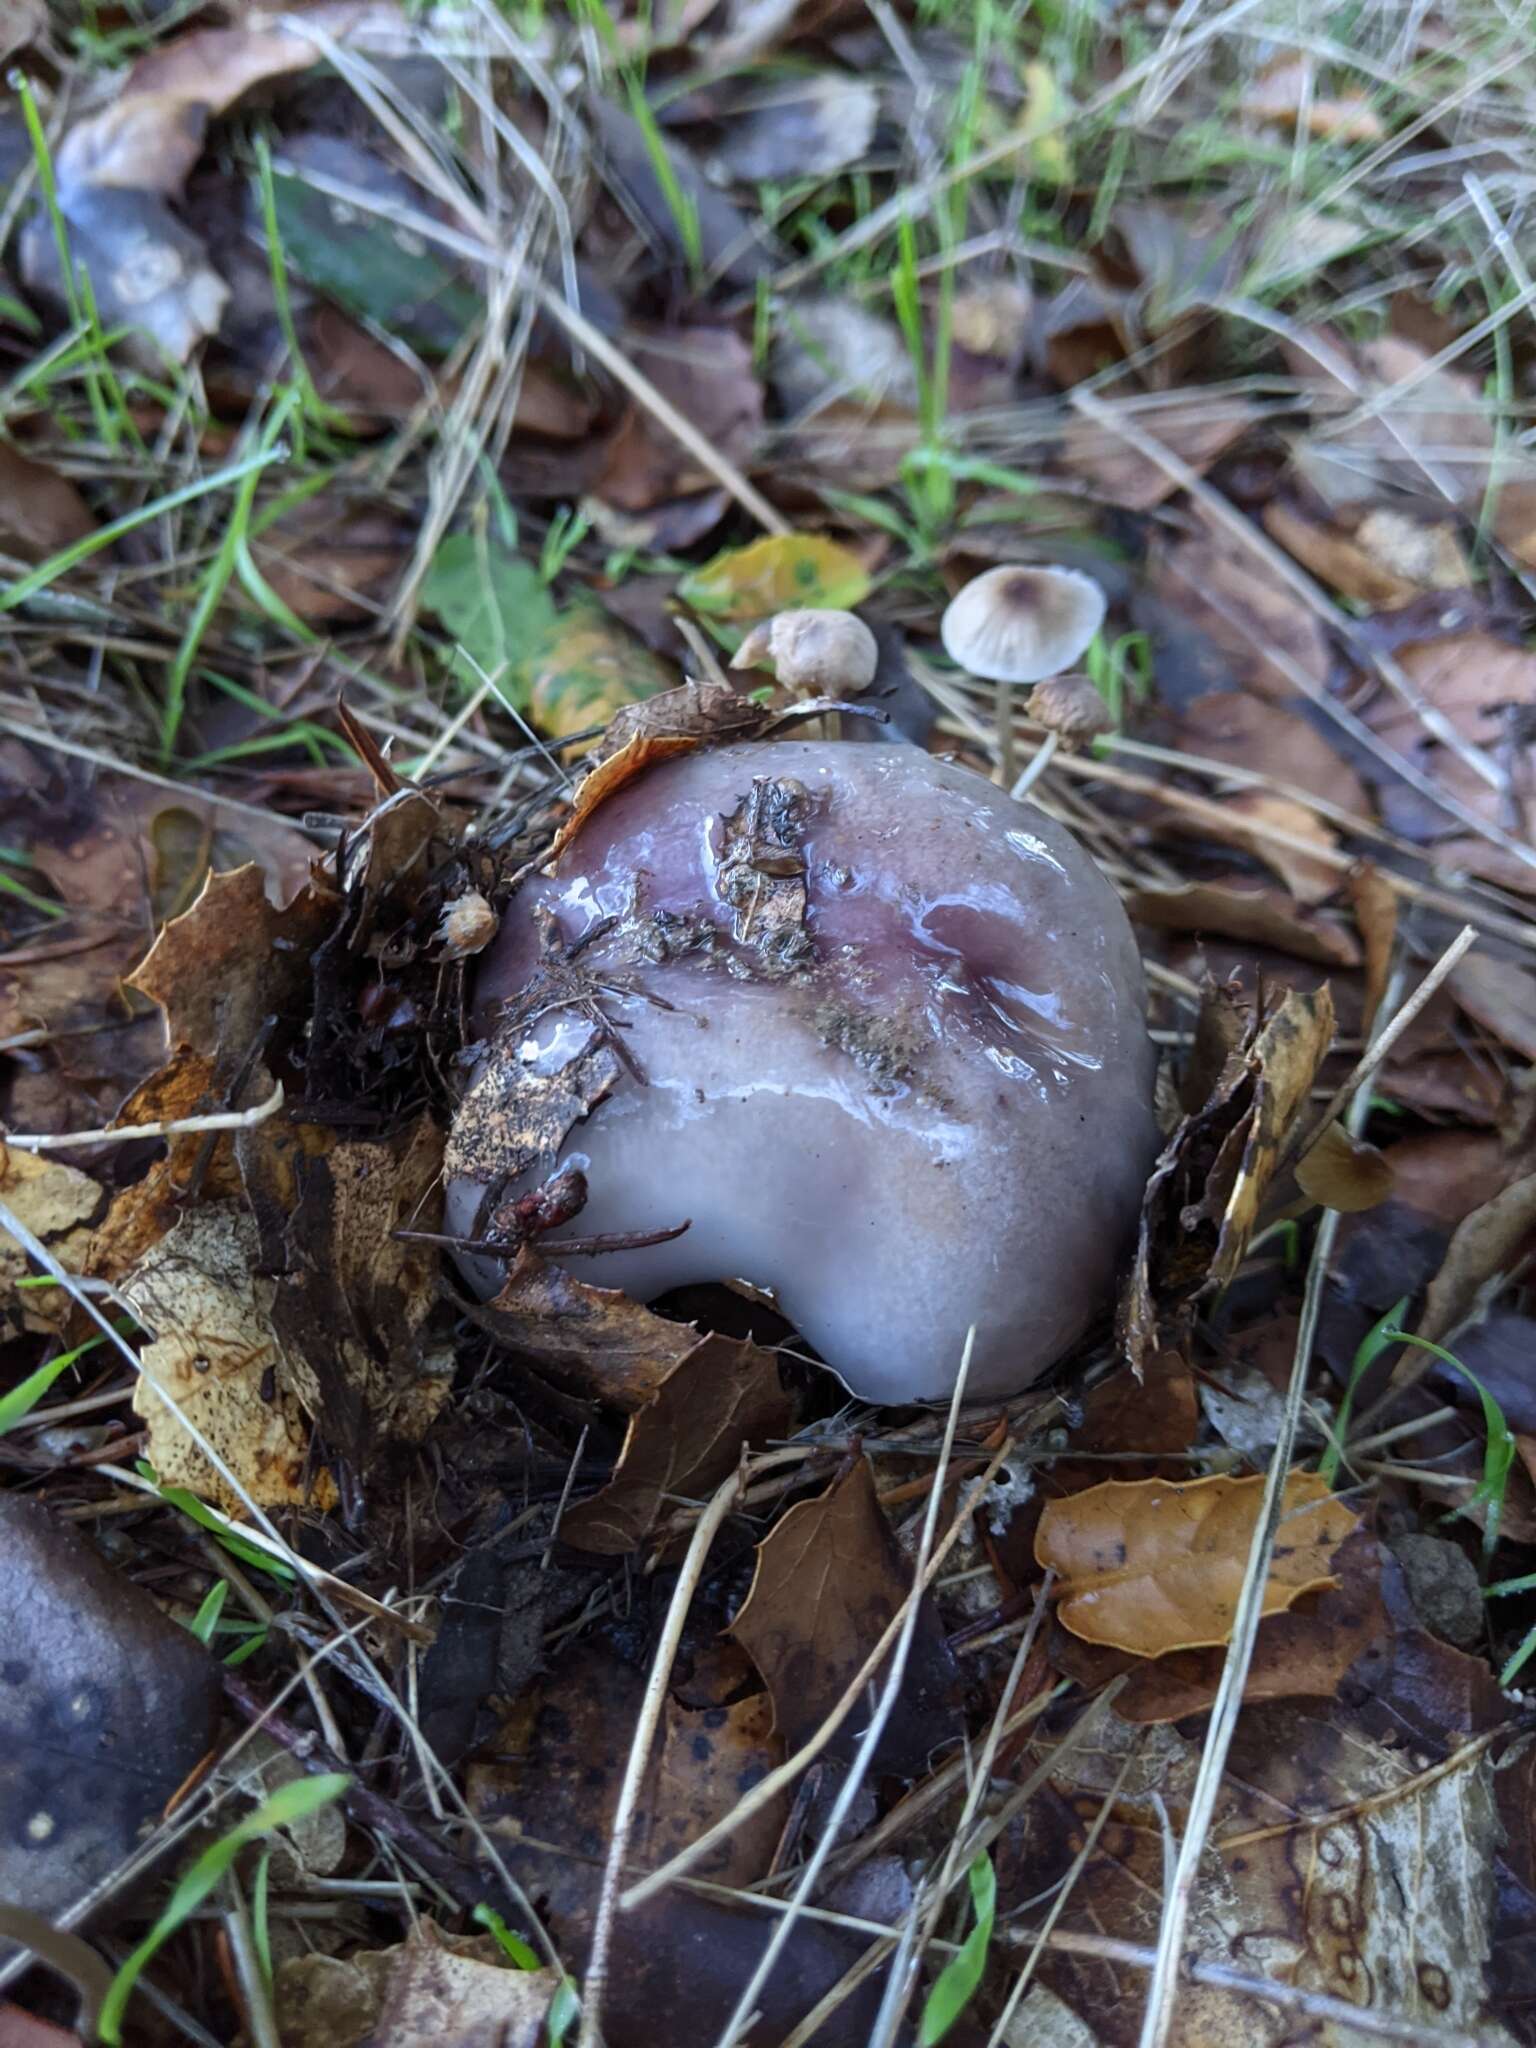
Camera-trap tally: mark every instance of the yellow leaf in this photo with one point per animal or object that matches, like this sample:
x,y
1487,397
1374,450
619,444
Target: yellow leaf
x,y
1148,1566
587,668
1050,154
784,572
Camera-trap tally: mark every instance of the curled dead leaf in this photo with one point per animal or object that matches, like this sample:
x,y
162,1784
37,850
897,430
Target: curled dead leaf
x,y
1264,916
1148,1566
594,1339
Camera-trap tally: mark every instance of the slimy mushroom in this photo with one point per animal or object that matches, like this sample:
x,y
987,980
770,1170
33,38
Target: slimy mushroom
x,y
876,1028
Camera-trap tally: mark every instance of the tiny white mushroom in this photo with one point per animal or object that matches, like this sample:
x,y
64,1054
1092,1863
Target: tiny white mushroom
x,y
820,653
1020,624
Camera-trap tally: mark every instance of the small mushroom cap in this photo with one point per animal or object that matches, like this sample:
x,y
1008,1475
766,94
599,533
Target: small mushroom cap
x,y
1070,706
1018,624
827,653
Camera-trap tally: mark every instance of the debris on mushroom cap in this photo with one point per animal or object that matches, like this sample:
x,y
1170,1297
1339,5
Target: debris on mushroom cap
x,y
1019,624
827,653
877,1029
1070,706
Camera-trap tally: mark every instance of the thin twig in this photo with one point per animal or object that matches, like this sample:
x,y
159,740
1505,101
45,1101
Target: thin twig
x,y
220,1120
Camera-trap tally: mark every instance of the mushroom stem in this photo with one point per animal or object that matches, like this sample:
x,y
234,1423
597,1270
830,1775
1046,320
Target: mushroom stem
x,y
1037,766
1007,755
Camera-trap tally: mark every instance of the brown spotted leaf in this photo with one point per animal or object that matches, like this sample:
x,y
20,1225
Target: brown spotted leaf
x,y
1150,1566
215,1353
56,1203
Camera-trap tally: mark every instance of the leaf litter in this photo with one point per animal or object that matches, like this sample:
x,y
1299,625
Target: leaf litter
x,y
406,419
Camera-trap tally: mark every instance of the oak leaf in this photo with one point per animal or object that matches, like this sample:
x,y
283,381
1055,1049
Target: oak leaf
x,y
1150,1566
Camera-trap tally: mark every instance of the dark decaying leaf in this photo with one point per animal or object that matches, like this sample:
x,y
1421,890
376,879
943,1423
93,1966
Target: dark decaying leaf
x,y
829,1577
1243,911
106,1705
720,1399
501,1600
351,1298
707,374
548,1801
40,511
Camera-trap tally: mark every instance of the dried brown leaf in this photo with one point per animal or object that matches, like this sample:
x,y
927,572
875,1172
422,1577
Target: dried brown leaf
x,y
1386,560
721,1397
1286,93
1246,612
1284,1060
1247,732
1375,906
1148,1566
232,961
1502,998
643,748
1244,911
40,511
594,1339
829,1577
432,1989
1189,427
707,373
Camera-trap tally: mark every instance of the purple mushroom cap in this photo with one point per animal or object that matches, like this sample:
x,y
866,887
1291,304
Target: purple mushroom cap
x,y
877,1029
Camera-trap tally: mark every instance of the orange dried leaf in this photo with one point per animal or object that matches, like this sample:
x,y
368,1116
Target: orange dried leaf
x,y
610,776
1148,1566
